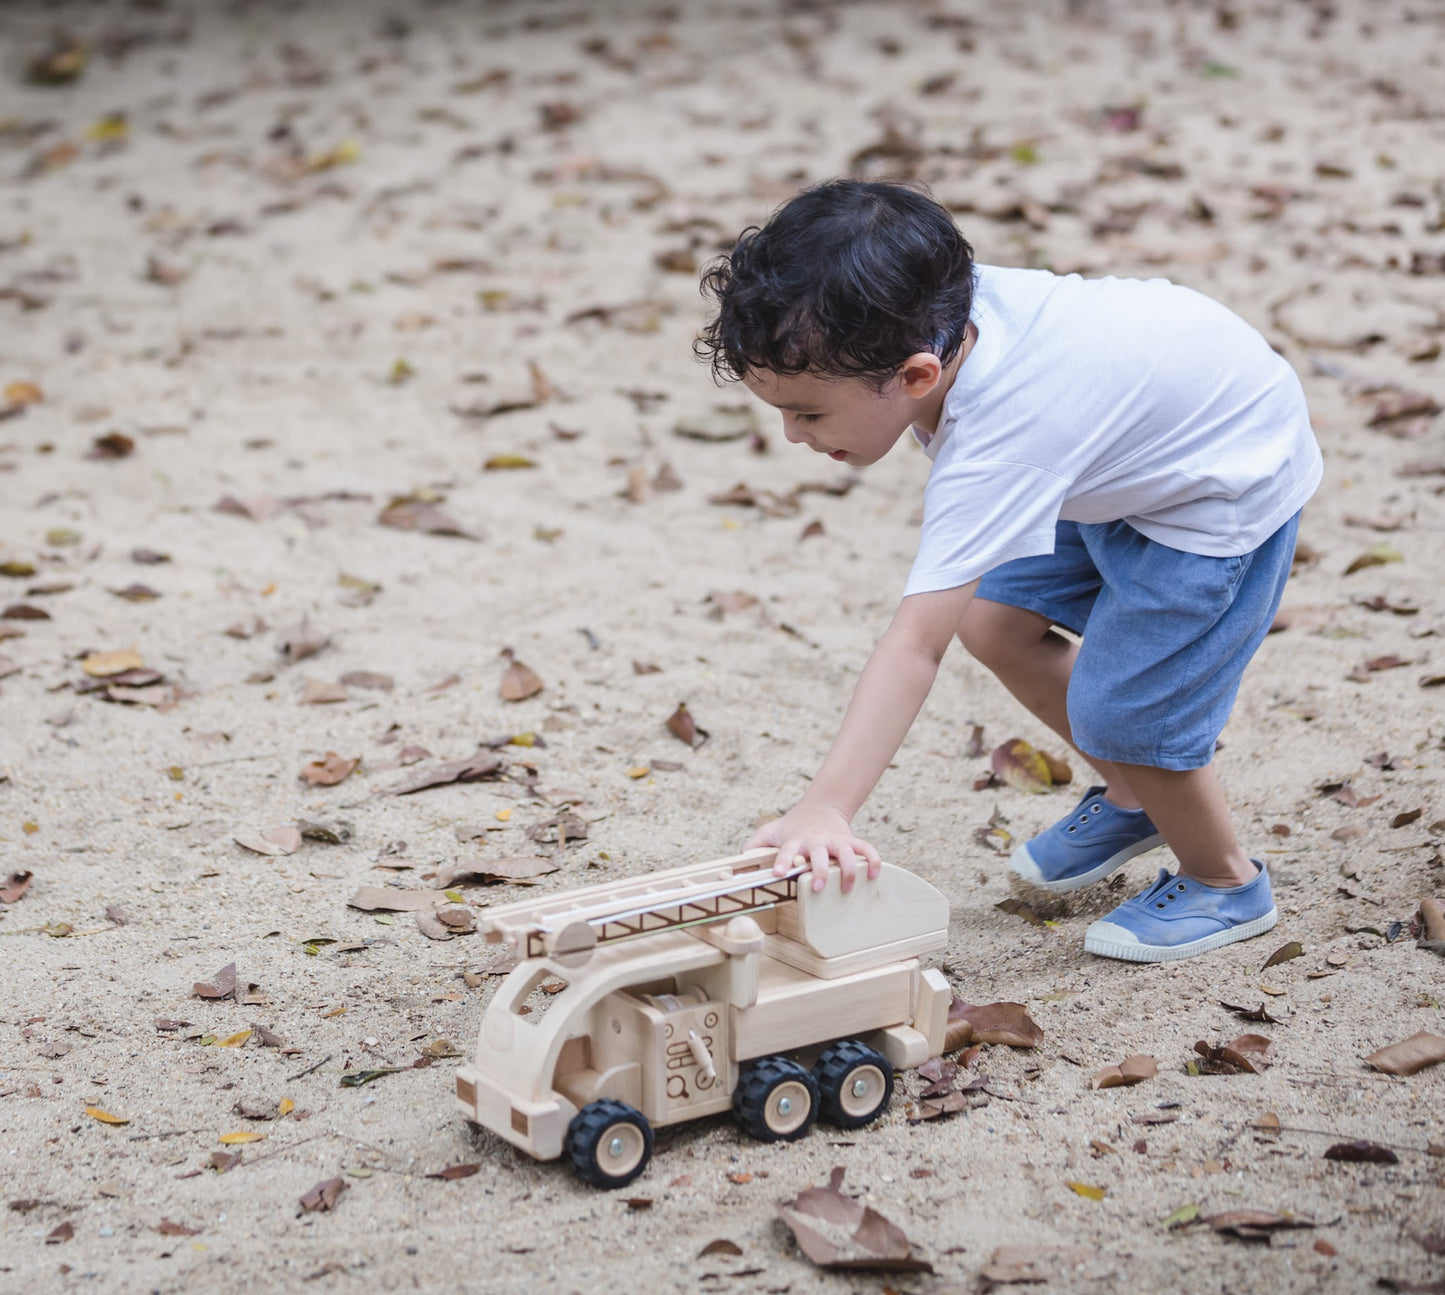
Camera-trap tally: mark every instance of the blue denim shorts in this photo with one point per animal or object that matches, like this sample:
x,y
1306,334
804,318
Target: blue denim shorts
x,y
1166,634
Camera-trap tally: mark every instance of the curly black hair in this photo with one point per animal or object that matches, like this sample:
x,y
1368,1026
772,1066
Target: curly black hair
x,y
847,279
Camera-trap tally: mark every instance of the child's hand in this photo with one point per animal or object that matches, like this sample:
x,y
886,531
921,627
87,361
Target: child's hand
x,y
811,834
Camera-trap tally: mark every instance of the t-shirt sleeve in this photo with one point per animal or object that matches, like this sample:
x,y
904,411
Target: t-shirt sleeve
x,y
977,515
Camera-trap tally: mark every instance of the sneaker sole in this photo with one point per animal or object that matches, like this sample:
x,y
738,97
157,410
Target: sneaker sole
x,y
1021,863
1108,944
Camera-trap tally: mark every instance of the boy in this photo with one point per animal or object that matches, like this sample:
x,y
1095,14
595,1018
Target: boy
x,y
1124,459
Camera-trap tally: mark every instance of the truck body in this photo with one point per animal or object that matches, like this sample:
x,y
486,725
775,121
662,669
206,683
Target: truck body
x,y
655,995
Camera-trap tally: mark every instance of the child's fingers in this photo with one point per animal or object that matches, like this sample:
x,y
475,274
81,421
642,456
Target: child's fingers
x,y
847,865
820,856
869,853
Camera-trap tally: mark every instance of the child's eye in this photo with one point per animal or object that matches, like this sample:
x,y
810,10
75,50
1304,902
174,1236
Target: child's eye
x,y
807,418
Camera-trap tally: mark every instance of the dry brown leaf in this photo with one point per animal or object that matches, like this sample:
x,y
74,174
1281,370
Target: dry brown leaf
x,y
256,508
301,640
1409,1055
1132,1070
1254,1225
1284,953
835,1231
106,665
519,681
431,926
408,513
14,886
368,679
324,1195
329,770
1007,1023
1023,768
276,841
392,899
1252,1053
318,693
493,870
684,728
221,985
474,768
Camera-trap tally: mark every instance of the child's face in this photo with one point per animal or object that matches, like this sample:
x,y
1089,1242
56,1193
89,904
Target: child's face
x,y
847,419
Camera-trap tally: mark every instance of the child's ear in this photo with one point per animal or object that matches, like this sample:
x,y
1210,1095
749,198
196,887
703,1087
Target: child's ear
x,y
919,374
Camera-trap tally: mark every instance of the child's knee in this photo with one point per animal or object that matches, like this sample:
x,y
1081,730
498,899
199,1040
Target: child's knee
x,y
1094,725
994,633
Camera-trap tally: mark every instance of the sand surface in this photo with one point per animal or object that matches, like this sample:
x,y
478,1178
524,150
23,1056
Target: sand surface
x,y
340,253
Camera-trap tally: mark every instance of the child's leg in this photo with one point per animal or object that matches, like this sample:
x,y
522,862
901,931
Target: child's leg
x,y
1188,807
1033,661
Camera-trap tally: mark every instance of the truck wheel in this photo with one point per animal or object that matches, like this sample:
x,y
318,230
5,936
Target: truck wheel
x,y
855,1084
776,1100
608,1143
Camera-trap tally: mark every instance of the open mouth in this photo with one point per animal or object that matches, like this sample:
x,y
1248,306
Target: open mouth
x,y
840,455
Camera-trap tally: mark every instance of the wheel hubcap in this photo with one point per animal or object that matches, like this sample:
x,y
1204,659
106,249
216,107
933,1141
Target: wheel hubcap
x,y
620,1150
863,1091
789,1107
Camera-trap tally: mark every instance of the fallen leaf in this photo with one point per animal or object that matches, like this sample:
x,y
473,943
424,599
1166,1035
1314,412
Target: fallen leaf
x,y
324,1195
1405,819
240,1138
14,886
1375,556
1007,1023
299,641
317,692
1409,1055
519,681
453,1172
357,1078
105,1117
1258,1014
1183,1215
835,1231
169,1228
1252,1053
113,445
392,899
684,728
61,1232
560,829
276,841
329,770
507,462
369,680
1087,1191
722,1246
488,871
106,665
256,508
235,1040
1254,1225
408,513
472,769
1019,765
1132,1070
1011,905
1284,953
221,985
1362,1152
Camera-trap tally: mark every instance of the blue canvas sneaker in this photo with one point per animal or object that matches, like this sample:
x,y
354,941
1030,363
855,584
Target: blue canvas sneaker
x,y
1177,917
1085,847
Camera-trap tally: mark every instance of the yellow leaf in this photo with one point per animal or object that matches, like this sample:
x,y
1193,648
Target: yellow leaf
x,y
639,771
287,1106
503,815
236,1139
522,739
235,1041
1090,1193
504,461
1017,763
335,1011
30,827
101,665
23,393
105,1117
343,154
455,896
109,129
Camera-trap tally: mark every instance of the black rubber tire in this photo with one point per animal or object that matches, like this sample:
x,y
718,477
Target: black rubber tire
x,y
591,1131
757,1085
834,1071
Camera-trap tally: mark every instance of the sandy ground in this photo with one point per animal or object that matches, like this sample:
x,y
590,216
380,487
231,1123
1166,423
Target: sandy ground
x,y
324,244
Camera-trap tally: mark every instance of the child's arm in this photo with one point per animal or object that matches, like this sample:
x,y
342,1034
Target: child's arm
x,y
887,699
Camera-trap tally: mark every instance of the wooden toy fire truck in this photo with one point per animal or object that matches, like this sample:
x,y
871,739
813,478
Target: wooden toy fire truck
x,y
715,987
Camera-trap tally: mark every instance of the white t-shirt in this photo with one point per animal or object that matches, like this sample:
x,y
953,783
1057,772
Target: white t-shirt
x,y
1101,400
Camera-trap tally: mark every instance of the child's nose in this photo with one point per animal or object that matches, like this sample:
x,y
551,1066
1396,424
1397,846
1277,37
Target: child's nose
x,y
794,434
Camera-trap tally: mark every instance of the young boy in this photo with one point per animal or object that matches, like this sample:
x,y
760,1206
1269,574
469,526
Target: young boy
x,y
1124,459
